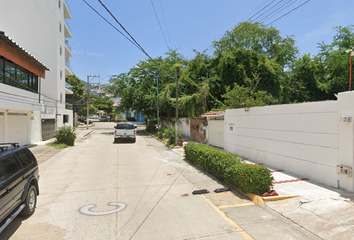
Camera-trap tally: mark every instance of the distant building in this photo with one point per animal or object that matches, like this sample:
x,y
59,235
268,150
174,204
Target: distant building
x,y
41,28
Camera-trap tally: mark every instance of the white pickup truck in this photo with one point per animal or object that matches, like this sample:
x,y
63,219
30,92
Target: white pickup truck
x,y
125,130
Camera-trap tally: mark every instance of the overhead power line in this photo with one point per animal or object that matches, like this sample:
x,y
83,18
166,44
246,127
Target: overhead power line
x,y
265,12
261,9
289,12
111,24
157,18
164,20
278,10
136,43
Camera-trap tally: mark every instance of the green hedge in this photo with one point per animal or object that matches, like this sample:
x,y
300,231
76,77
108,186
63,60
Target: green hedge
x,y
229,168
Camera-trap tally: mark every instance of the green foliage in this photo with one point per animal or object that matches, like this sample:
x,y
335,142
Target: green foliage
x,y
151,123
102,103
65,135
92,111
57,145
266,41
246,97
78,88
228,167
169,134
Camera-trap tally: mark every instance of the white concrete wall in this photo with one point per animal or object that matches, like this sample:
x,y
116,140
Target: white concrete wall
x,y
183,125
307,139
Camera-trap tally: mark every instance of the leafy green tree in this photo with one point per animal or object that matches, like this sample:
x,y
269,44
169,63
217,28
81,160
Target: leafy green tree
x,y
78,98
336,61
138,88
92,111
248,96
305,80
102,103
259,38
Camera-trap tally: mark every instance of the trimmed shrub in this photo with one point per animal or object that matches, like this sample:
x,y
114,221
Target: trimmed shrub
x,y
66,135
228,167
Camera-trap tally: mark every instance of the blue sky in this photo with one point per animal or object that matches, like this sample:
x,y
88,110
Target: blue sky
x,y
187,24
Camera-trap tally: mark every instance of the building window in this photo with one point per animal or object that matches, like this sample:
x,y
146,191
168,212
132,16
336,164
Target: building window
x,y
14,75
61,97
59,3
61,75
10,73
2,65
65,118
22,78
59,26
60,50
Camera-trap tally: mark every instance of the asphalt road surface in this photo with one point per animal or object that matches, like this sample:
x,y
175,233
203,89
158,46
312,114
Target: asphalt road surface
x,y
143,190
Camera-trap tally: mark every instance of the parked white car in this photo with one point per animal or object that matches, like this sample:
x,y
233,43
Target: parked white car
x,y
125,131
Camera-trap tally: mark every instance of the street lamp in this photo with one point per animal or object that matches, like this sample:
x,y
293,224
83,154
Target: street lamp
x,y
157,86
350,71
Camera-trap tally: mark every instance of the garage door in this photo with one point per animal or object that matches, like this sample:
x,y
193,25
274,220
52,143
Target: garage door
x,y
216,133
17,130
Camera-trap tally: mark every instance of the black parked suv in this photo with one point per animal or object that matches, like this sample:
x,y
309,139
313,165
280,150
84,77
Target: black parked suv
x,y
18,182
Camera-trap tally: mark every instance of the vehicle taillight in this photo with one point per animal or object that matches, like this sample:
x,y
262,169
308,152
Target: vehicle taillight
x,y
115,132
134,132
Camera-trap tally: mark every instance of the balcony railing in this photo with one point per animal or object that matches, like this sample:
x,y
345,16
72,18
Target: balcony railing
x,y
68,45
67,64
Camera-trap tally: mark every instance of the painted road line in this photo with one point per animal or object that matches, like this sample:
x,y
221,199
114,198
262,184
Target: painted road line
x,y
227,219
236,205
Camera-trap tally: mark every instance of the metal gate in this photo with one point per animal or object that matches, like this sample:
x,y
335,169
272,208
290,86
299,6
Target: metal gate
x,y
48,129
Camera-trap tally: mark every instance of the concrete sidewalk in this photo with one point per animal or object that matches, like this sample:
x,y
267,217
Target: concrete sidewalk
x,y
323,211
43,152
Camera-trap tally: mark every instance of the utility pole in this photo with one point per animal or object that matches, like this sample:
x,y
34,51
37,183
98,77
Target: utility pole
x,y
350,74
88,102
176,130
88,99
351,51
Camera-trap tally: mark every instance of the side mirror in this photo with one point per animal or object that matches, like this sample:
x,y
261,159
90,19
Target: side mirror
x,y
135,126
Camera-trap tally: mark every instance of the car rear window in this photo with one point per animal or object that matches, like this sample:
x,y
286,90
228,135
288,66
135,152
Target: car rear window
x,y
25,156
125,126
9,165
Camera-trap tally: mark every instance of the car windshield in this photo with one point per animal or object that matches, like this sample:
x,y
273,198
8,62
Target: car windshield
x,y
125,126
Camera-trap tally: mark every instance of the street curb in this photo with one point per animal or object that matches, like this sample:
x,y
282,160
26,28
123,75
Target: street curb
x,y
276,198
85,135
255,198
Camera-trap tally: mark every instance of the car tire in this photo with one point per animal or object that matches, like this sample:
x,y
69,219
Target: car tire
x,y
30,202
116,140
134,140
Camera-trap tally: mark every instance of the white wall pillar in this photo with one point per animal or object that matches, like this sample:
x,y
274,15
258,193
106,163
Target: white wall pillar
x,y
345,138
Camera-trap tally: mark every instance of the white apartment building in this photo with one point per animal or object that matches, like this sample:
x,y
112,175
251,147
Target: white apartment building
x,y
20,102
40,27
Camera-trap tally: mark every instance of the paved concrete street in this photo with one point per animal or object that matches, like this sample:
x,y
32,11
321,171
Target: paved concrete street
x,y
150,190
